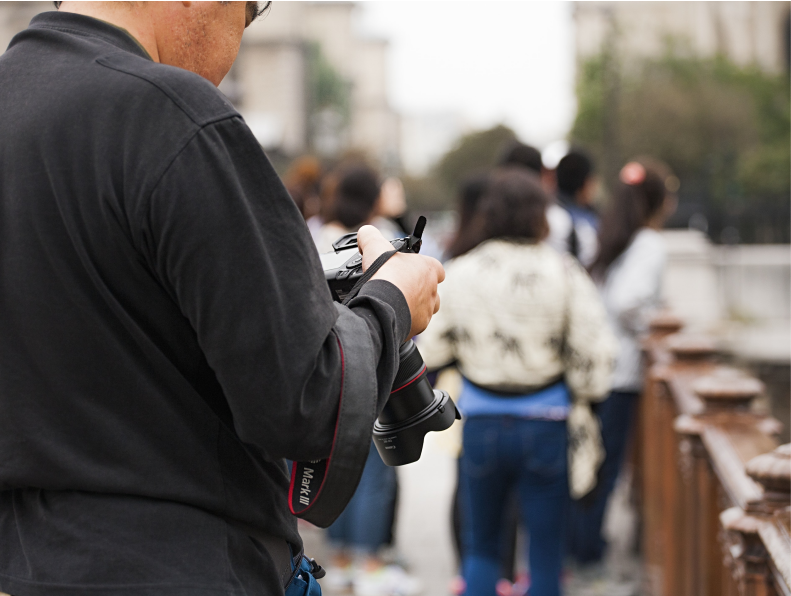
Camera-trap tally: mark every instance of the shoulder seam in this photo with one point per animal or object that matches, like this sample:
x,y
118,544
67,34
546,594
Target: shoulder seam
x,y
178,153
146,202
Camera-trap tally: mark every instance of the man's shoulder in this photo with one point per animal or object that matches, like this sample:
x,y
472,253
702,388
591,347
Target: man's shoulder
x,y
196,97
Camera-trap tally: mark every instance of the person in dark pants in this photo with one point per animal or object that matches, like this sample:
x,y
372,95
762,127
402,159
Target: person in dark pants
x,y
366,523
361,532
585,542
628,271
527,157
167,336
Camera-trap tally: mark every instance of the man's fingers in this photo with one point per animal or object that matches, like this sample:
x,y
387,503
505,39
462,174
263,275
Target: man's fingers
x,y
415,275
366,235
440,270
371,244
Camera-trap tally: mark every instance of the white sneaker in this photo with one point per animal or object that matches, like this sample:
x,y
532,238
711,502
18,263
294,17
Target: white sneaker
x,y
338,580
390,580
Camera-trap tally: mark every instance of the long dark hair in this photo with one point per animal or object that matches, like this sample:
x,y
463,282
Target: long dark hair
x,y
471,191
513,208
639,195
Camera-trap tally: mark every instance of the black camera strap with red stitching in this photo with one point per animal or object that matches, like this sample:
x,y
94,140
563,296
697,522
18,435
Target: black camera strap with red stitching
x,y
320,490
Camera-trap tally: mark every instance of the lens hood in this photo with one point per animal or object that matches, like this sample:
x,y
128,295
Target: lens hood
x,y
402,442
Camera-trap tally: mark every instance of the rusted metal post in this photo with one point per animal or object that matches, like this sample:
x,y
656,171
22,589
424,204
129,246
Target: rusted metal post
x,y
773,472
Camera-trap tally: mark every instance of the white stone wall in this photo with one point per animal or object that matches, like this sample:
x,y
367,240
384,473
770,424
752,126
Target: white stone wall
x,y
15,16
690,286
741,294
755,280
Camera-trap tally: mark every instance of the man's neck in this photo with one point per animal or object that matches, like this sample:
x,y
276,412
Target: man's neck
x,y
133,19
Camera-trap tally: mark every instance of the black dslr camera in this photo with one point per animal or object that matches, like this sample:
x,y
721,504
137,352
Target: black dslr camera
x,y
413,408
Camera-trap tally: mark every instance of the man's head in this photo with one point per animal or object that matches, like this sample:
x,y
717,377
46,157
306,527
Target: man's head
x,y
202,37
575,176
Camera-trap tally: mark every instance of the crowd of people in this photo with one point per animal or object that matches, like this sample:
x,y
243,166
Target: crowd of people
x,y
545,298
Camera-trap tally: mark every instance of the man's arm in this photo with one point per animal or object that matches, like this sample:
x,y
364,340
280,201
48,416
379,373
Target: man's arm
x,y
225,240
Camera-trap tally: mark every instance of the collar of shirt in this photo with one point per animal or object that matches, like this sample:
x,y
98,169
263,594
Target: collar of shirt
x,y
577,212
90,27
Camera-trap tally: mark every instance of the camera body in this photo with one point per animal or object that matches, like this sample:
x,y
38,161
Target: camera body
x,y
413,408
343,267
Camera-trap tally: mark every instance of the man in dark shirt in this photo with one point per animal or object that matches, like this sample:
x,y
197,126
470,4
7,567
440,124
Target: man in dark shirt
x,y
166,333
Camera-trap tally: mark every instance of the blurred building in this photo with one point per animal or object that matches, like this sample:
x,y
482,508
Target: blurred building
x,y
745,32
15,16
425,137
304,80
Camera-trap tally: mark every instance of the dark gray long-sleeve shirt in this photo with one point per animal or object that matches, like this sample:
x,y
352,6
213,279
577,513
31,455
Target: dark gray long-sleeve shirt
x,y
166,333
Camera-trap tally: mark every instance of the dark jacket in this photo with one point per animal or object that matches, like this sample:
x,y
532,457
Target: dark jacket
x,y
166,334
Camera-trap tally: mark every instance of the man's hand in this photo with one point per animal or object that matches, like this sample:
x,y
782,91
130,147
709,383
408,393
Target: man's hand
x,y
415,275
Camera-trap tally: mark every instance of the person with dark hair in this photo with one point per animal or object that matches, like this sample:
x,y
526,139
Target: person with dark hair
x,y
573,221
519,154
471,190
355,193
527,331
167,337
628,270
364,528
302,182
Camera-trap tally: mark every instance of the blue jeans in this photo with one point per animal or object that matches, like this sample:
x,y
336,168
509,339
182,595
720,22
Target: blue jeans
x,y
502,453
585,542
366,522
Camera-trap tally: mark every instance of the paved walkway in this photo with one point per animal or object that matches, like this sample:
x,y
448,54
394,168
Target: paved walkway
x,y
423,539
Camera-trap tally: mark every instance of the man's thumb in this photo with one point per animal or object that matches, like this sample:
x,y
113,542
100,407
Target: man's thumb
x,y
371,244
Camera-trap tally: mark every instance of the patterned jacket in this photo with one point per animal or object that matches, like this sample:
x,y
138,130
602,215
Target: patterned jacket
x,y
516,316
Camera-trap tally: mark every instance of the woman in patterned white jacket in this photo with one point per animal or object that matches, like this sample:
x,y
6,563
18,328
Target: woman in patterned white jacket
x,y
527,330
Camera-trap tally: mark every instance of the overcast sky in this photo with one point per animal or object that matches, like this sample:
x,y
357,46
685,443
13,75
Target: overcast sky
x,y
510,62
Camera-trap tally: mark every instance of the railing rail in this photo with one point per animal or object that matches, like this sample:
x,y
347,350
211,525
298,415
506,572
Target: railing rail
x,y
712,483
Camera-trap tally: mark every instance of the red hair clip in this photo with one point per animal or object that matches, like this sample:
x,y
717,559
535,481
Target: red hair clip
x,y
632,173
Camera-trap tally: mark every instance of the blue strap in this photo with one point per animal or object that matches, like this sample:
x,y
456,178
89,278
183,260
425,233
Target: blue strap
x,y
304,584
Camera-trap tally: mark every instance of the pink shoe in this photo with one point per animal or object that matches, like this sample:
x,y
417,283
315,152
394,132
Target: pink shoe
x,y
457,586
504,588
521,586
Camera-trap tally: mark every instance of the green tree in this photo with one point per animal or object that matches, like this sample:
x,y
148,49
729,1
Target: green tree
x,y
724,129
471,153
328,97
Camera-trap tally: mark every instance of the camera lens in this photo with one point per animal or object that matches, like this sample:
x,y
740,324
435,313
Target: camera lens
x,y
412,410
411,392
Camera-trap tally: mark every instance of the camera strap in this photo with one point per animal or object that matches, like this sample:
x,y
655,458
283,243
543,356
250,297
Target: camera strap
x,y
375,266
320,490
